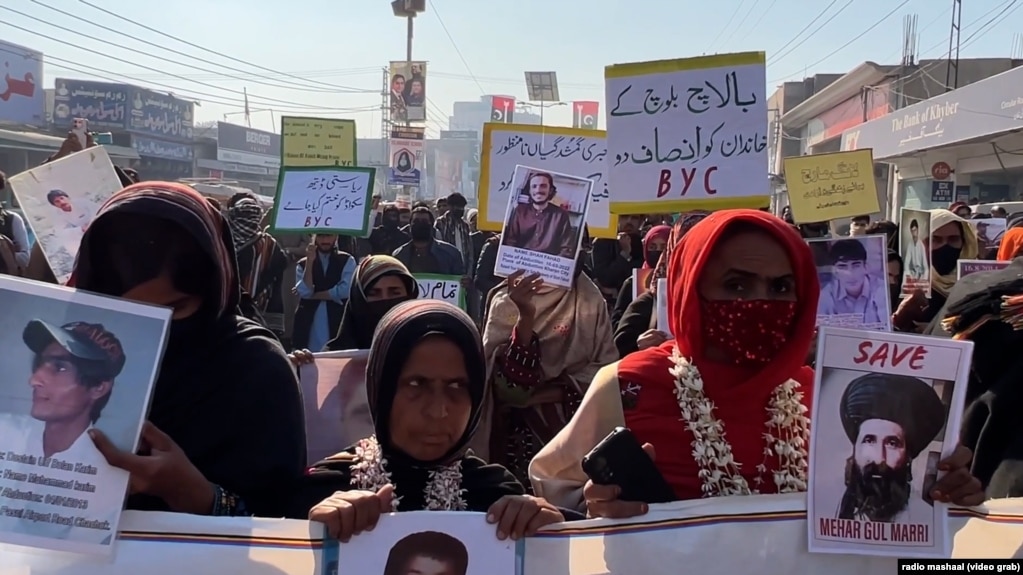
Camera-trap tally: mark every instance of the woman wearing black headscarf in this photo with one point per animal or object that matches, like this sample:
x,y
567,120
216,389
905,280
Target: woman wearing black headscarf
x,y
225,434
379,284
426,383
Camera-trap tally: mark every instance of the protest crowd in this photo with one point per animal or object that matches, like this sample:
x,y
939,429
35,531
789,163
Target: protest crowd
x,y
539,369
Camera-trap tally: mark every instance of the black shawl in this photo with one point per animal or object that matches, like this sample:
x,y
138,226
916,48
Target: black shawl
x,y
226,393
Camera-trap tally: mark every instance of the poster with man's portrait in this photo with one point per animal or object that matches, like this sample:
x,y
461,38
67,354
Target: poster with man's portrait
x,y
914,239
989,232
74,364
887,409
408,92
543,225
854,280
428,543
336,405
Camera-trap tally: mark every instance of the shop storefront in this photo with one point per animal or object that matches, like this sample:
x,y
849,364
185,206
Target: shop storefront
x,y
964,145
161,131
249,157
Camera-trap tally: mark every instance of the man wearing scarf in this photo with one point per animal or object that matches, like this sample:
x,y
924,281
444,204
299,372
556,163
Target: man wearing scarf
x,y
261,261
388,236
323,281
453,228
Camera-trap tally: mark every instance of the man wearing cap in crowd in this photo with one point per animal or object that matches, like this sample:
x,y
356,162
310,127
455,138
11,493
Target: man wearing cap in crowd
x,y
890,420
72,378
853,291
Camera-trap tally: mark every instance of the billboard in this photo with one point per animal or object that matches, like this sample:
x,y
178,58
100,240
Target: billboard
x,y
408,92
22,100
103,104
406,158
161,115
242,145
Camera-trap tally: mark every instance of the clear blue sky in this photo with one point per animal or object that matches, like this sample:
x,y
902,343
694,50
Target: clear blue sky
x,y
330,44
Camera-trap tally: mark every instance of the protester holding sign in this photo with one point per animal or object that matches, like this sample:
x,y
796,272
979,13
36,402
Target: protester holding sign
x,y
163,243
427,387
742,303
379,284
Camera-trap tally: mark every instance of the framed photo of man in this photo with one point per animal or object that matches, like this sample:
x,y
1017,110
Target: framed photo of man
x,y
544,225
856,287
888,408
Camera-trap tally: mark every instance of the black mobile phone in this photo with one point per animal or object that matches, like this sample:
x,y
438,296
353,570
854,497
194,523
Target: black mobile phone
x,y
619,460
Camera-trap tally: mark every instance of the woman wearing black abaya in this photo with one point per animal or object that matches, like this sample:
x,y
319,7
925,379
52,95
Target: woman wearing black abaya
x,y
225,434
380,282
426,382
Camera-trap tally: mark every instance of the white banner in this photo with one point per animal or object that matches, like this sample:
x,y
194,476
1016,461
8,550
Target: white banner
x,y
763,534
336,406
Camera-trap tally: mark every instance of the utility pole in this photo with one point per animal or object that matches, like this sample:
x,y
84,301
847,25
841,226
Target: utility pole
x,y
409,9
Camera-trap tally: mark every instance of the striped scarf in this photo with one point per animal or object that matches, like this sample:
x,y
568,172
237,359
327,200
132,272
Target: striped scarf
x,y
195,213
245,218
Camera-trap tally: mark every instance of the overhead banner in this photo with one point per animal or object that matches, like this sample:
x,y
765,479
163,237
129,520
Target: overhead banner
x,y
408,92
22,101
584,115
700,534
406,157
502,109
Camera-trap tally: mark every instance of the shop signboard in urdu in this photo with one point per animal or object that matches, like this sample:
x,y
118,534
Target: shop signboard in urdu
x,y
161,115
103,104
241,145
150,148
22,100
990,106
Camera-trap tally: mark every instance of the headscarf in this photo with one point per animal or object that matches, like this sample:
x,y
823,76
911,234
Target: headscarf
x,y
655,233
940,217
361,317
215,359
397,334
1011,244
244,219
682,225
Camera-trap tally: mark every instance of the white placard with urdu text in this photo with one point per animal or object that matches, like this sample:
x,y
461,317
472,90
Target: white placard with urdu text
x,y
329,200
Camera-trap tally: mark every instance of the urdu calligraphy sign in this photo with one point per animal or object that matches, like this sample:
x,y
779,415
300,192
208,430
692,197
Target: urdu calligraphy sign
x,y
687,134
104,105
161,115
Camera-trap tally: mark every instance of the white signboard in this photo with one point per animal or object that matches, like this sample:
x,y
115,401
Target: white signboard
x,y
662,306
579,153
441,287
328,200
687,134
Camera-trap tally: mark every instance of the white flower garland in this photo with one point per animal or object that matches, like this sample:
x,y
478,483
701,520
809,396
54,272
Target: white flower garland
x,y
442,493
787,436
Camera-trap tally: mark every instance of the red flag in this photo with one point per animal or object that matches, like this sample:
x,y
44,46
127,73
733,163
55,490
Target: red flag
x,y
502,109
584,115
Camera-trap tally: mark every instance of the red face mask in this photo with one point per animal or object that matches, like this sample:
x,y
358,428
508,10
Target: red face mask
x,y
750,333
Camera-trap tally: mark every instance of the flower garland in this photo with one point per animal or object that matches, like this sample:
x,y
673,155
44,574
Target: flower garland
x,y
786,438
443,492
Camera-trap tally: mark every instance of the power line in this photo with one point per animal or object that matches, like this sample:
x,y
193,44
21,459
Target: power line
x,y
855,38
222,55
710,47
804,40
433,9
805,28
763,15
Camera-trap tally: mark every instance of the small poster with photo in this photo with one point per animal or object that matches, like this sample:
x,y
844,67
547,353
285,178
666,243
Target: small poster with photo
x,y
888,408
853,275
336,405
429,542
914,239
989,232
543,225
74,362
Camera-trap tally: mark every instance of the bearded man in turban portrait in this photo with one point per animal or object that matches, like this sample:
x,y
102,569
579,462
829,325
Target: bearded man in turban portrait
x,y
890,420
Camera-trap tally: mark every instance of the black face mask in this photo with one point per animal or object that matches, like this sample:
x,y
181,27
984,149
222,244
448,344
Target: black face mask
x,y
895,295
944,259
457,213
390,220
421,231
375,310
652,257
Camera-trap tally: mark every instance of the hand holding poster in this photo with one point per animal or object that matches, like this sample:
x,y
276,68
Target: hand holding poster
x,y
892,405
853,275
914,233
60,198
543,226
825,187
442,287
324,200
687,134
76,362
568,151
336,405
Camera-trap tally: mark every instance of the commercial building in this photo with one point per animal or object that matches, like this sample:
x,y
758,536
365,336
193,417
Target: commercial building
x,y
232,153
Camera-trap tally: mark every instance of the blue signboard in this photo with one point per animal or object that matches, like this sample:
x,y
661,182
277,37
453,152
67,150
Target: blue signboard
x,y
104,105
160,115
942,191
150,148
22,100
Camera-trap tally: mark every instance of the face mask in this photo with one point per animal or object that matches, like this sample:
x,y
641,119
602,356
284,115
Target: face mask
x,y
421,231
750,333
652,257
944,259
457,213
894,295
375,310
391,220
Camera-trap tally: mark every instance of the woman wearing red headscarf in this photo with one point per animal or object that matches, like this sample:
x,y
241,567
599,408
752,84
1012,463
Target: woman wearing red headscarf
x,y
725,406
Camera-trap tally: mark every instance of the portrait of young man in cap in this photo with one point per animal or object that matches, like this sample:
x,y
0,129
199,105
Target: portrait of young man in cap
x,y
852,290
890,421
72,376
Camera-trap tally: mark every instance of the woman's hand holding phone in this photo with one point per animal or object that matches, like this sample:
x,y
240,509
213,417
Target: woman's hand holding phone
x,y
602,500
